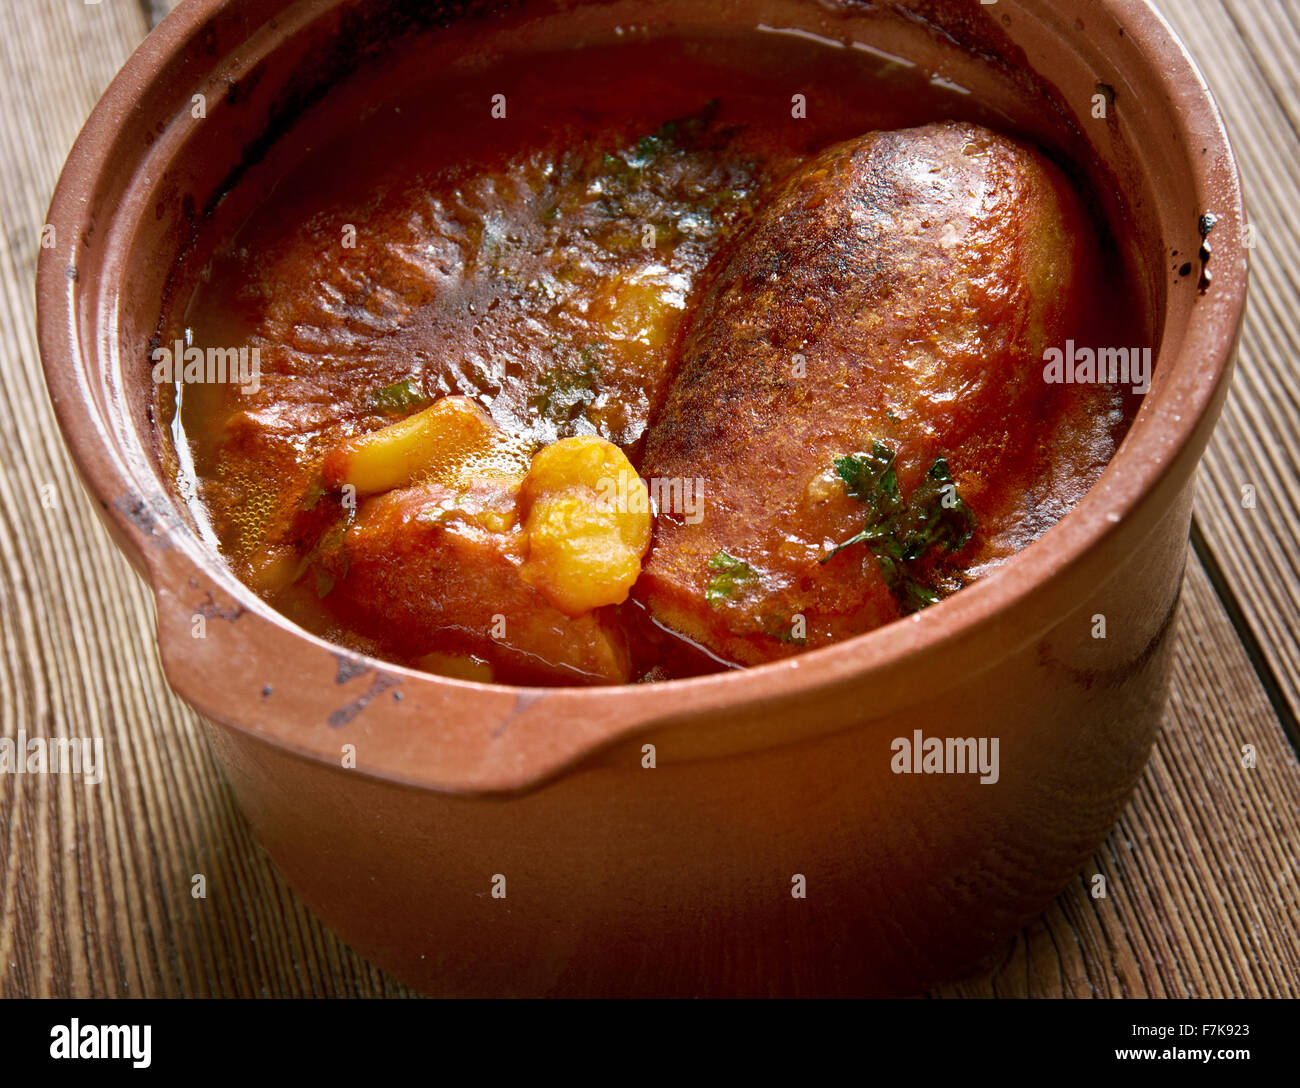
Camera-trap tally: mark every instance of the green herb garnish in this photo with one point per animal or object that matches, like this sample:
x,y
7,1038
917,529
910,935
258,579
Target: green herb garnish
x,y
678,133
870,478
324,581
327,558
732,575
782,629
936,515
901,535
441,512
313,495
398,397
565,391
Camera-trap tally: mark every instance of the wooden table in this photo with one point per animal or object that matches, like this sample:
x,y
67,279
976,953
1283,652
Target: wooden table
x,y
1204,889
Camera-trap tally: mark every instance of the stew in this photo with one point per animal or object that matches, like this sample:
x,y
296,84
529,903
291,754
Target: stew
x,y
635,364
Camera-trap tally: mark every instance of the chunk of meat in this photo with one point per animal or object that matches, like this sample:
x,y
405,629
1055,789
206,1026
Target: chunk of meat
x,y
899,288
436,571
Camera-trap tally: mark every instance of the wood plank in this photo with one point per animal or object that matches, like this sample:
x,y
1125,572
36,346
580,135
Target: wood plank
x,y
156,10
1247,50
95,881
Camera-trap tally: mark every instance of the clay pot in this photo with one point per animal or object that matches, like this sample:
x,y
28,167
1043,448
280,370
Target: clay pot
x,y
681,878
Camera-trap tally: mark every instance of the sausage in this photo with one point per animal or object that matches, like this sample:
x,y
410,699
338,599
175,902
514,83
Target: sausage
x,y
895,293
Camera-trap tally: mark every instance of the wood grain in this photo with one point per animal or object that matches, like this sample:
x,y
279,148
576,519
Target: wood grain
x,y
1248,51
95,881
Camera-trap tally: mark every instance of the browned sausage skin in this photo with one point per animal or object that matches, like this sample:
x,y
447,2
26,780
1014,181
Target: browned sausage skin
x,y
895,293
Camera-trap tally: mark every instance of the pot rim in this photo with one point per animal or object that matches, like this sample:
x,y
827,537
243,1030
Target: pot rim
x,y
551,729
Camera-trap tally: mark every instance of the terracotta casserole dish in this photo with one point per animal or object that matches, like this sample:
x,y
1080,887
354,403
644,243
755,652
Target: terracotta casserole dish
x,y
736,833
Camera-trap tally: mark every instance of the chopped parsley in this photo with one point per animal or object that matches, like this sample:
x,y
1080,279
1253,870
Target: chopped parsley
x,y
731,578
782,629
312,495
677,134
903,535
327,559
636,190
572,384
398,397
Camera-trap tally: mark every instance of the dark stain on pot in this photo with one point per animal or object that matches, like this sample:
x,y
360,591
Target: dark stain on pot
x,y
239,90
378,686
153,521
362,36
523,700
1118,675
211,610
349,666
1208,222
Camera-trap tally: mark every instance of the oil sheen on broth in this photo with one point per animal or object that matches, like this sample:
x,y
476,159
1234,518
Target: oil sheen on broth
x,y
651,253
